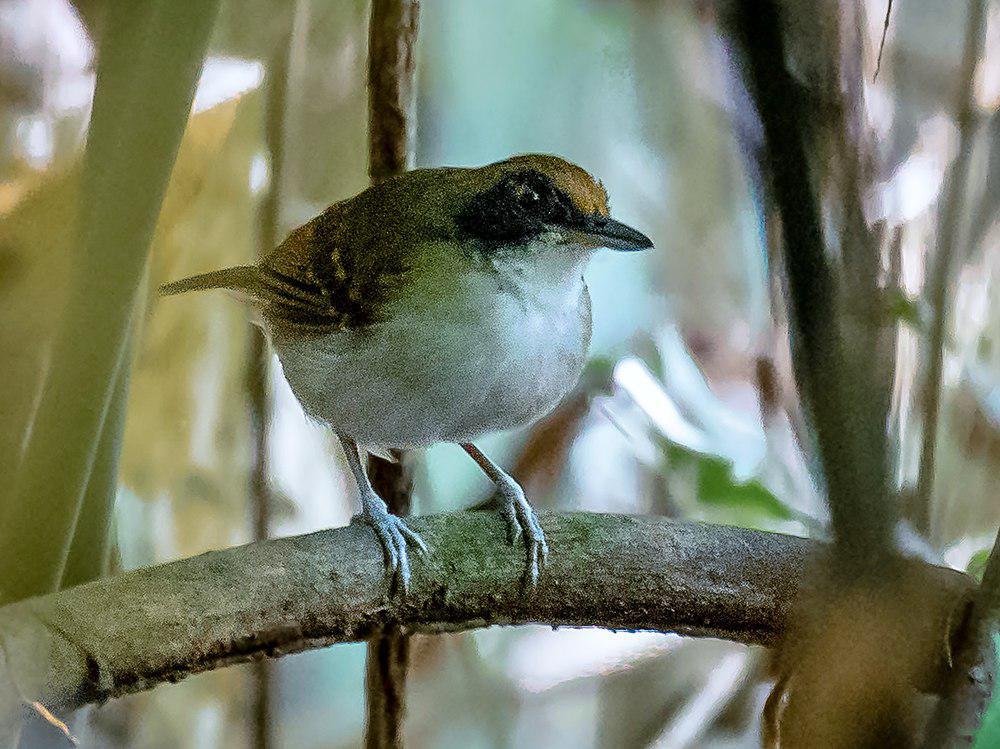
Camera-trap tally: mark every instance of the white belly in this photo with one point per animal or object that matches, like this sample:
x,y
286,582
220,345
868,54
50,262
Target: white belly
x,y
486,360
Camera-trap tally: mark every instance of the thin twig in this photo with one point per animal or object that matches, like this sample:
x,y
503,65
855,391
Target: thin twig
x,y
53,721
258,393
881,45
392,38
940,281
37,707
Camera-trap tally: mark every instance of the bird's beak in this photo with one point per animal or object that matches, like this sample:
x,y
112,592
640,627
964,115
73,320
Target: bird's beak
x,y
602,231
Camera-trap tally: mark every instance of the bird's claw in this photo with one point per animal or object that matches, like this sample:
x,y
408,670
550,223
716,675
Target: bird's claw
x,y
522,522
393,536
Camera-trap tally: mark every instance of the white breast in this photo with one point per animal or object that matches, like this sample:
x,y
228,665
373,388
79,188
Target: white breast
x,y
496,351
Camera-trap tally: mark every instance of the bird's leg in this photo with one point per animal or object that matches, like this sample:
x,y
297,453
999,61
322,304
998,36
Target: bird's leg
x,y
521,518
391,531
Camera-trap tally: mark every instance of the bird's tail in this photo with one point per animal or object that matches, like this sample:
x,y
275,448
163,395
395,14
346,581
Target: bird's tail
x,y
242,280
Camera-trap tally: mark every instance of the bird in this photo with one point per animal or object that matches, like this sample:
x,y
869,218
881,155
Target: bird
x,y
436,306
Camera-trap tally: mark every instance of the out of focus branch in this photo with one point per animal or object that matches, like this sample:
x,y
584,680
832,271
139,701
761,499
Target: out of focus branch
x,y
972,680
261,688
850,685
131,632
941,279
838,396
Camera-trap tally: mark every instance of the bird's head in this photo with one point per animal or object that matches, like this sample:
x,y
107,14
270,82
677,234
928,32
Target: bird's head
x,y
532,202
541,201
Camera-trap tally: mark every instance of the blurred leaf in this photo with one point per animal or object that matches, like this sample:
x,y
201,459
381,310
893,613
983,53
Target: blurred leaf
x,y
914,313
977,564
908,310
34,262
148,64
717,486
746,501
184,439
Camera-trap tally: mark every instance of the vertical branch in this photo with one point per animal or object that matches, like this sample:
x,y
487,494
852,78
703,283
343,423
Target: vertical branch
x,y
941,279
258,393
848,687
851,444
392,38
148,64
392,41
971,684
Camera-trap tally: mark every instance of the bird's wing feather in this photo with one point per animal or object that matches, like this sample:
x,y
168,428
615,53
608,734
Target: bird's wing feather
x,y
332,273
280,297
299,302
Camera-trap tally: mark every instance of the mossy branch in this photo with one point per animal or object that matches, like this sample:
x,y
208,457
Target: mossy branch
x,y
155,625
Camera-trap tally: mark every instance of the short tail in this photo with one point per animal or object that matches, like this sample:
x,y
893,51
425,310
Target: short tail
x,y
242,279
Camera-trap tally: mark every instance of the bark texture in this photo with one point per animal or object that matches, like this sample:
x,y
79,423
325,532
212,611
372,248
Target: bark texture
x,y
269,598
392,43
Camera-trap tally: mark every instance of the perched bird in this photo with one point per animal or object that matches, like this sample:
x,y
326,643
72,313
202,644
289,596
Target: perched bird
x,y
436,306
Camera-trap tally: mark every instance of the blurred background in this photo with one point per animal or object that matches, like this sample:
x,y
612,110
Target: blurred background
x,y
686,409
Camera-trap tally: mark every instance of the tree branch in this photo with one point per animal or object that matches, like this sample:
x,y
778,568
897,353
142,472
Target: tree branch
x,y
392,41
836,392
971,683
259,397
132,632
940,281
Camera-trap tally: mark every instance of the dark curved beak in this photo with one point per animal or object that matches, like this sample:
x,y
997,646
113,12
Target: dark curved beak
x,y
602,231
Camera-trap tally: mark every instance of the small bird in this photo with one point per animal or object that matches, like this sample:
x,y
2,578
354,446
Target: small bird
x,y
436,306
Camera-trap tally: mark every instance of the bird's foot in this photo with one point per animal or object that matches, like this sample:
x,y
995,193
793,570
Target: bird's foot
x,y
522,522
393,535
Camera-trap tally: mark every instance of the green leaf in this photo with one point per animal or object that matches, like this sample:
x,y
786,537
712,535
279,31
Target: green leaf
x,y
905,309
716,486
977,564
745,502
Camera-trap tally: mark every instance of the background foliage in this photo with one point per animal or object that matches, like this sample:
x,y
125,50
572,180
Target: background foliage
x,y
673,416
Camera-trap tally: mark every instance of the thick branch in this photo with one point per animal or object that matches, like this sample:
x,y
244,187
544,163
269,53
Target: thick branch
x,y
132,632
838,394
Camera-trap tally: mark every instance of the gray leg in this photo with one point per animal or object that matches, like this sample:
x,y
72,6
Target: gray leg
x,y
392,533
521,519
